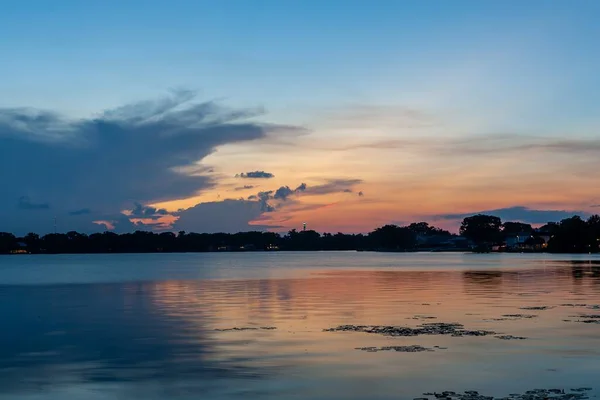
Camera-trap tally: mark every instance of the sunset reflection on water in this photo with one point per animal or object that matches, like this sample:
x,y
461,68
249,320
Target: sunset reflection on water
x,y
157,338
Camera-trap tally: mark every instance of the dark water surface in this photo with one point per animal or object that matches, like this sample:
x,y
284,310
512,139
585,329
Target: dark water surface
x,y
156,326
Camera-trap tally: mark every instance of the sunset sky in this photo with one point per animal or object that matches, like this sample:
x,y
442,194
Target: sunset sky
x,y
227,115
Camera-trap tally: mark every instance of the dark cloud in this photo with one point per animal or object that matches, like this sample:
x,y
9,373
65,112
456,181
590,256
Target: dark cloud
x,y
82,211
141,211
255,175
520,213
263,200
227,216
235,215
283,193
26,204
145,152
152,226
119,221
245,187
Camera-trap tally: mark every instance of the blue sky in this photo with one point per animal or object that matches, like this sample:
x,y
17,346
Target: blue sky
x,y
293,55
344,72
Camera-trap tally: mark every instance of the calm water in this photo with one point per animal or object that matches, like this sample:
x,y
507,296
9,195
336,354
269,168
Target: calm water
x,y
147,326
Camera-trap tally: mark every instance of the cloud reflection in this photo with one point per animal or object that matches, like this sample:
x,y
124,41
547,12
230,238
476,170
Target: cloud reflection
x,y
164,333
104,333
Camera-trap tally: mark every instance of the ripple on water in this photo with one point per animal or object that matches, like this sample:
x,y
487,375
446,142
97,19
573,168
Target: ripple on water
x,y
201,325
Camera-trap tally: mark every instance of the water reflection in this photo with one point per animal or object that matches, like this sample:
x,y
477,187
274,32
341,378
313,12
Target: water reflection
x,y
103,333
132,336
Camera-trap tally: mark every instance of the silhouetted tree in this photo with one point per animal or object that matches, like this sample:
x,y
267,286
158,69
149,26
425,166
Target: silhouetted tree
x,y
393,237
424,229
33,242
574,235
514,228
593,223
303,240
8,242
341,241
481,228
550,228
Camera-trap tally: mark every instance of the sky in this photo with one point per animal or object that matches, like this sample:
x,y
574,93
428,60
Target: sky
x,y
239,115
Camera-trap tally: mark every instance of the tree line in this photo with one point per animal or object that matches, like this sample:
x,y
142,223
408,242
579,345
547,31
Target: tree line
x,y
390,237
571,235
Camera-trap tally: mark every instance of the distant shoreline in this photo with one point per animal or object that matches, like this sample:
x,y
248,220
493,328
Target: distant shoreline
x,y
463,251
478,234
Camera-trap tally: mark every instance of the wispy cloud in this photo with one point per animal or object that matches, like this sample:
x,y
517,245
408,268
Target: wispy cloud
x,y
366,116
245,187
481,145
520,213
81,211
333,186
26,204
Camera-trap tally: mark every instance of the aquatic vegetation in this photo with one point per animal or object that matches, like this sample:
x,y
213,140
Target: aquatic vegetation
x,y
439,328
264,328
403,349
510,337
535,394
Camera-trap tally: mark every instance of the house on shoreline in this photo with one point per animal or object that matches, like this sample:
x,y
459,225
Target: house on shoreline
x,y
527,241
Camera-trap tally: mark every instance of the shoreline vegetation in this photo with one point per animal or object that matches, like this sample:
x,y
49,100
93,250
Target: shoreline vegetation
x,y
478,233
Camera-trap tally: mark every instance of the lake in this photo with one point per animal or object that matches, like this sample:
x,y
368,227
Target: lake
x,y
252,325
